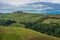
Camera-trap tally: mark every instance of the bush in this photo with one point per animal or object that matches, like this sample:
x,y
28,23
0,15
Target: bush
x,y
6,22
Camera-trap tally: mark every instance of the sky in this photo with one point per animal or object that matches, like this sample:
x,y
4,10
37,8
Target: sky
x,y
20,2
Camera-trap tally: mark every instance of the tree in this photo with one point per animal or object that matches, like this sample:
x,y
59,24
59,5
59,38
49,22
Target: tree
x,y
6,22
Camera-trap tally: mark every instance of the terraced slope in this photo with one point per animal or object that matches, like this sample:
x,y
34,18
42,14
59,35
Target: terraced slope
x,y
17,33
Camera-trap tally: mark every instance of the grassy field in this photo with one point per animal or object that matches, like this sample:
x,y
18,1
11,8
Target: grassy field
x,y
47,21
21,17
29,17
17,33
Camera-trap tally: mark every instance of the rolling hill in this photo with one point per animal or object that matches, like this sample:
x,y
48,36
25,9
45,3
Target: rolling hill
x,y
13,26
17,33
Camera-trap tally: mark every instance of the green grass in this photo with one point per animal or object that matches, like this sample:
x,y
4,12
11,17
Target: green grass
x,y
28,17
47,21
21,17
17,33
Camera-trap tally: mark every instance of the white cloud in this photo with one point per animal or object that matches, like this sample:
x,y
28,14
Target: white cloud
x,y
18,2
53,1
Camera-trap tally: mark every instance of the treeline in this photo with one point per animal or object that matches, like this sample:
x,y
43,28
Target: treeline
x,y
18,12
6,22
50,29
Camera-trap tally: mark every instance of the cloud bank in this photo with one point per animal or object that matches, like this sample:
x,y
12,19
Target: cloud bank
x,y
20,2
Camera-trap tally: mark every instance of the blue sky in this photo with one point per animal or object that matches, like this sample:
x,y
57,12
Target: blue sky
x,y
20,2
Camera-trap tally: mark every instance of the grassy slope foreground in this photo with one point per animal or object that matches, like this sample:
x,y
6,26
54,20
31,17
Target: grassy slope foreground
x,y
16,33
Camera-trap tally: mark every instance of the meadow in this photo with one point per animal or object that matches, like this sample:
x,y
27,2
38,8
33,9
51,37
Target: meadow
x,y
29,26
